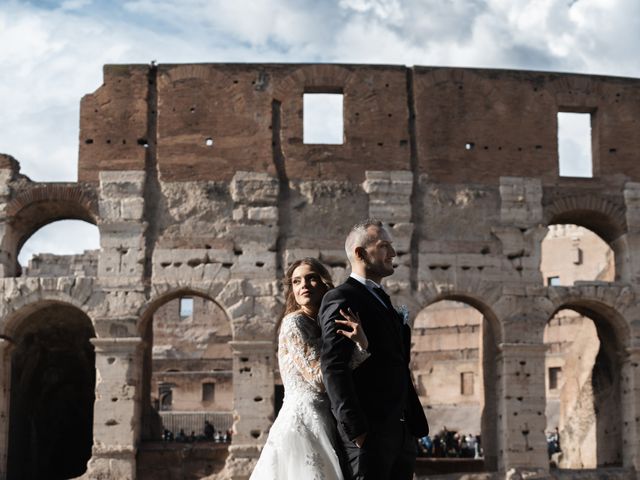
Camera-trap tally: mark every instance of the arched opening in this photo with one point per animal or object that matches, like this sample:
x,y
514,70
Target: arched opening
x,y
583,389
45,204
453,361
52,394
572,253
187,386
586,240
61,248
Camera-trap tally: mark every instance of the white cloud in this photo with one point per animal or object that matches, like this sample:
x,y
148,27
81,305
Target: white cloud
x,y
52,54
75,4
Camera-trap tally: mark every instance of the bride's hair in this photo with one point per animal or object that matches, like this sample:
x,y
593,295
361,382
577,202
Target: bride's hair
x,y
290,304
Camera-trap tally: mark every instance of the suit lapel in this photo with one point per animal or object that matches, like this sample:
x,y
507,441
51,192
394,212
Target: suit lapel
x,y
391,318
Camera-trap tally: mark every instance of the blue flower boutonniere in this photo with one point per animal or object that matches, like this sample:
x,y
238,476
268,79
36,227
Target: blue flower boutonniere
x,y
403,311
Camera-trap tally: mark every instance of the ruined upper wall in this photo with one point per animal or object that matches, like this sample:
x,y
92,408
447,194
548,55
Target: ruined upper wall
x,y
395,118
251,113
510,119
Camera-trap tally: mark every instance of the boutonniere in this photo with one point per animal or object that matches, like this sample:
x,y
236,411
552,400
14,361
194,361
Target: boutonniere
x,y
403,312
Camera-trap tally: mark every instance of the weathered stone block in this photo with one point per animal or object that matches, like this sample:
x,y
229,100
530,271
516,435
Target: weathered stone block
x,y
263,214
254,188
132,208
121,184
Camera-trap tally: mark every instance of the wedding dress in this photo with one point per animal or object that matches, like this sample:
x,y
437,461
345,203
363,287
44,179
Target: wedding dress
x,y
299,446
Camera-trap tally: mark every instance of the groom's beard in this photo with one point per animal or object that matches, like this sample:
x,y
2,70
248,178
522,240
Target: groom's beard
x,y
379,269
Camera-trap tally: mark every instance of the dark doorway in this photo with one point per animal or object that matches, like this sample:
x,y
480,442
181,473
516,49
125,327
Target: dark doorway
x,y
52,395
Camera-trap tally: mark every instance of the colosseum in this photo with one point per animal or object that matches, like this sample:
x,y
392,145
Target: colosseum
x,y
204,184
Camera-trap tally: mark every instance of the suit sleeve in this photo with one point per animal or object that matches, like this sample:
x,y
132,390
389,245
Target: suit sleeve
x,y
335,360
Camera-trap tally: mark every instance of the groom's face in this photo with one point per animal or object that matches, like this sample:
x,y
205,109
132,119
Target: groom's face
x,y
379,252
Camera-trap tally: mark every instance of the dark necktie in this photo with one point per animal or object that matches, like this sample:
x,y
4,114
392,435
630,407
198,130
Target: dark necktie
x,y
384,297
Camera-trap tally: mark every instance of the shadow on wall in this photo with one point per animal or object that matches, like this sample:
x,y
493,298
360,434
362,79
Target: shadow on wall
x,y
52,395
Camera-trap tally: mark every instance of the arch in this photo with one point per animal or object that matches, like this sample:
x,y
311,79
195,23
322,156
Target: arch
x,y
314,77
146,312
42,204
490,335
52,369
601,304
473,299
205,350
602,393
21,304
600,215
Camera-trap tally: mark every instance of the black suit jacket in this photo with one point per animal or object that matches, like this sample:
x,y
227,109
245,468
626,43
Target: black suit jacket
x,y
380,390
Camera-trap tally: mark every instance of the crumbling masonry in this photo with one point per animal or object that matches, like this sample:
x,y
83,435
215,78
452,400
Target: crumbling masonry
x,y
200,183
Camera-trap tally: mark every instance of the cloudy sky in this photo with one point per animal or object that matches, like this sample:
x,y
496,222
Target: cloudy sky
x,y
52,51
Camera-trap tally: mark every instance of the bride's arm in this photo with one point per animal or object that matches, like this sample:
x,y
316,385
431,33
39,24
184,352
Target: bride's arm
x,y
300,348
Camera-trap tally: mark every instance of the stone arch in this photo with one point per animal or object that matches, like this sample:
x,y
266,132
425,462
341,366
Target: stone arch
x,y
187,72
479,294
600,397
491,337
40,205
166,292
151,421
600,215
313,77
601,303
20,303
50,367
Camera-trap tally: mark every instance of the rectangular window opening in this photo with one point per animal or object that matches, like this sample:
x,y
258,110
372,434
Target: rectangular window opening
x,y
466,383
574,145
165,396
553,281
555,376
322,119
186,307
208,392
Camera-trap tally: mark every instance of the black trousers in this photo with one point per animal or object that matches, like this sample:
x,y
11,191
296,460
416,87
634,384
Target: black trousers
x,y
388,453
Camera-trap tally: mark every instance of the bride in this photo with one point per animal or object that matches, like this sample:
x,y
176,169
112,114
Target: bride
x,y
300,442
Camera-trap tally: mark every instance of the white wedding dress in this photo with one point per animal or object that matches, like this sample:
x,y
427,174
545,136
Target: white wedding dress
x,y
299,446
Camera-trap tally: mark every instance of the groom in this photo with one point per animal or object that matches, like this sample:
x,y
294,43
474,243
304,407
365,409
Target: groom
x,y
376,405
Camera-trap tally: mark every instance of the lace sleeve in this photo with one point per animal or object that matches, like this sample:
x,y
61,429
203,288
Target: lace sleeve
x,y
301,347
358,356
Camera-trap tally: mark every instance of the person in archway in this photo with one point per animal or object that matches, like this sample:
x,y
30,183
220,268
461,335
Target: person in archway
x,y
377,408
301,443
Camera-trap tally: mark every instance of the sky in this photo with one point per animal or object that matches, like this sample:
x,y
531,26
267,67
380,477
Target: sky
x,y
52,53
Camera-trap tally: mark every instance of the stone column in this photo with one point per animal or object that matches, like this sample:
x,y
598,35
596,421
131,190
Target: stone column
x,y
631,409
253,392
390,201
5,394
121,259
627,246
521,232
116,411
7,264
521,411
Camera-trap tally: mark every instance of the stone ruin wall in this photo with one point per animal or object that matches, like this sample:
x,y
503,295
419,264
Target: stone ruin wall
x,y
447,346
461,163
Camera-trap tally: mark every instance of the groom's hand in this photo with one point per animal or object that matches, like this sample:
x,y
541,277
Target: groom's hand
x,y
359,440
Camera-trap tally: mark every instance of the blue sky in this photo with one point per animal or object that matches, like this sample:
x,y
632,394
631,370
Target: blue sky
x,y
52,51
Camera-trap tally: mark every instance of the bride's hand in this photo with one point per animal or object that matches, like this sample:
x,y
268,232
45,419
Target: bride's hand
x,y
356,334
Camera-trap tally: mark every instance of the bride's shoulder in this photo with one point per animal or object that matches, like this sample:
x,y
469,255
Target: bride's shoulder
x,y
295,320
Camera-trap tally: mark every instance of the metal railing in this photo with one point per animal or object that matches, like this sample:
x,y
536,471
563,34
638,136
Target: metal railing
x,y
194,421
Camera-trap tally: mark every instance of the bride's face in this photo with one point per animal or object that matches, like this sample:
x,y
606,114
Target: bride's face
x,y
308,288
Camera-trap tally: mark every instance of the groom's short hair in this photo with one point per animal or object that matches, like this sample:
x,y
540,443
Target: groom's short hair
x,y
359,236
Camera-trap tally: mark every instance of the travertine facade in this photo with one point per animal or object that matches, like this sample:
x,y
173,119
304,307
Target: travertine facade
x,y
200,183
447,355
